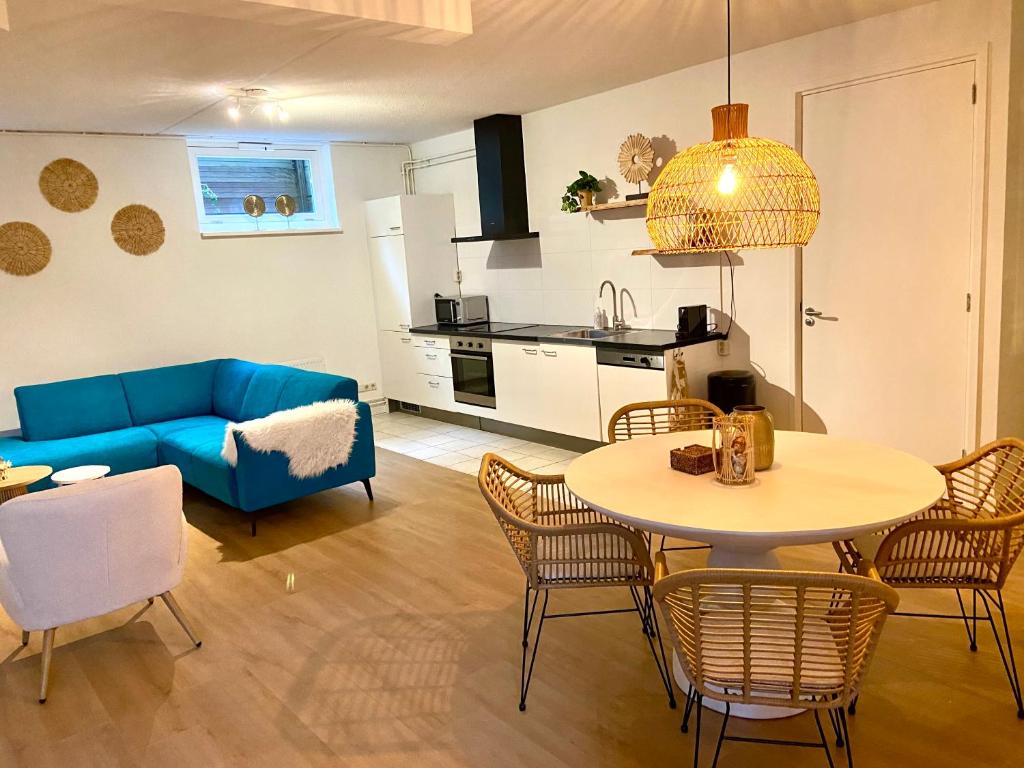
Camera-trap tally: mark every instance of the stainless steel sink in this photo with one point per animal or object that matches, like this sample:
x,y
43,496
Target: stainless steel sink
x,y
589,333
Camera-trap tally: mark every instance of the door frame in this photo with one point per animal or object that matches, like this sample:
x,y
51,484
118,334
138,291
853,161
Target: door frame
x,y
978,247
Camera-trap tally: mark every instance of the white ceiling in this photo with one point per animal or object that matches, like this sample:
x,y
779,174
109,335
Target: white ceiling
x,y
98,65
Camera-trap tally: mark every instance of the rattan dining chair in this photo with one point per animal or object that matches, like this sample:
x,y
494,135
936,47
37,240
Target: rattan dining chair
x,y
774,639
968,540
657,417
563,544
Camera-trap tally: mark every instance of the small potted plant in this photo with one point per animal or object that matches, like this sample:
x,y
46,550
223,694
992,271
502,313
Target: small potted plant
x,y
4,466
580,194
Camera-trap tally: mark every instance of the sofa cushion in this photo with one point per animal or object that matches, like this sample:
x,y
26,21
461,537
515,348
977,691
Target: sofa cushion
x,y
196,452
171,392
229,386
163,428
264,392
72,408
123,450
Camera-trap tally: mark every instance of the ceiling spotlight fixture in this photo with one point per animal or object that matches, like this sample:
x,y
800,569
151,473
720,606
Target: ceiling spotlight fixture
x,y
253,100
735,191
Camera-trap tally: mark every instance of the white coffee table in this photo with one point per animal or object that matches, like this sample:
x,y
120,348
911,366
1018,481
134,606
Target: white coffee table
x,y
73,475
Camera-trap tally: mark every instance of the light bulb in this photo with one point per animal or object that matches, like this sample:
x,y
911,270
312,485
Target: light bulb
x,y
727,180
282,115
268,109
234,112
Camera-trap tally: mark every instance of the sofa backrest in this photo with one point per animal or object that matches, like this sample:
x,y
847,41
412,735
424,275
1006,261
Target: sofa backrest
x,y
277,387
171,392
72,408
229,386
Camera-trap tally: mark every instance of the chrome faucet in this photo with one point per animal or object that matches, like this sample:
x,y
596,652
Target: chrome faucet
x,y
615,306
621,324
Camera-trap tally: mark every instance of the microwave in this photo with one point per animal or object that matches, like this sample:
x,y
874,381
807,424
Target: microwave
x,y
461,310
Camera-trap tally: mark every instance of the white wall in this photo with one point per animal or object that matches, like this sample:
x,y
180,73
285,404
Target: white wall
x,y
96,309
556,280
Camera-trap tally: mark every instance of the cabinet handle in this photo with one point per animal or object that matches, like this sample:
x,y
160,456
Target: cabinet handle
x,y
407,340
529,351
431,357
429,343
550,353
434,384
398,227
404,326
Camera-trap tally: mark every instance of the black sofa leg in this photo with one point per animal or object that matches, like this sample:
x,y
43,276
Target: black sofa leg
x,y
252,527
369,490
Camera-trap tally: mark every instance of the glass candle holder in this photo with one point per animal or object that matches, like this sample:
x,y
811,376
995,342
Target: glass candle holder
x,y
732,444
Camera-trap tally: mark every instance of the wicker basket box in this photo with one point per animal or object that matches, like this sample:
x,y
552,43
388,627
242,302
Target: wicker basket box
x,y
693,459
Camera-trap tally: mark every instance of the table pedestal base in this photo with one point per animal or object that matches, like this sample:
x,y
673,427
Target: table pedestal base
x,y
729,558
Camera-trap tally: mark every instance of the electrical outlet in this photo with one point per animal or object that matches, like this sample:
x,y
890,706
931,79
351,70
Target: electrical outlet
x,y
723,347
458,276
371,387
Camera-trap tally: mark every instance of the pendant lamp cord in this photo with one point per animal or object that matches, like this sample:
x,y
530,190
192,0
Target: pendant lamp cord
x,y
728,67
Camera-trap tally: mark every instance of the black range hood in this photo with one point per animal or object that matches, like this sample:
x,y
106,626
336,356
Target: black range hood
x,y
501,178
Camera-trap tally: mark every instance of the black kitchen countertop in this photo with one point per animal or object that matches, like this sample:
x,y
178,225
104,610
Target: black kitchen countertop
x,y
641,339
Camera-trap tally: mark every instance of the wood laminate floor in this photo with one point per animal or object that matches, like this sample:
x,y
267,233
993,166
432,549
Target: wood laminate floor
x,y
386,634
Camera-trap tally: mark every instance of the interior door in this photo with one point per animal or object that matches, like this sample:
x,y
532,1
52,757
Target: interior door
x,y
886,277
390,283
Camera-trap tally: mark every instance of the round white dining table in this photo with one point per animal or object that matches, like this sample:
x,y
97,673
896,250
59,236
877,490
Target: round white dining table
x,y
820,489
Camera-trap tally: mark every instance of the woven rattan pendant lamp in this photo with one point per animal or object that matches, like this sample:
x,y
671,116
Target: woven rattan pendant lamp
x,y
734,191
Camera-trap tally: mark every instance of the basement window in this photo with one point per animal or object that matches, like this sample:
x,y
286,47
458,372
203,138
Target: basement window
x,y
224,175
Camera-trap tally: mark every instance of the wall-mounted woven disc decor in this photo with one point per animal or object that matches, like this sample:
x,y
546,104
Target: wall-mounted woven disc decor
x,y
137,230
24,248
68,185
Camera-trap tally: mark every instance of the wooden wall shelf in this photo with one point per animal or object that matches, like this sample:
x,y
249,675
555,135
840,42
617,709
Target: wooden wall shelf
x,y
656,252
615,205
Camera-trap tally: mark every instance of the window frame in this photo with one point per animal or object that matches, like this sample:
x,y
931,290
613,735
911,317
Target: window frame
x,y
323,219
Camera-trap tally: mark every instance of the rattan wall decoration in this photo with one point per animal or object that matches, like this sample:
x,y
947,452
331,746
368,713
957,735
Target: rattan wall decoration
x,y
636,158
138,230
24,248
68,185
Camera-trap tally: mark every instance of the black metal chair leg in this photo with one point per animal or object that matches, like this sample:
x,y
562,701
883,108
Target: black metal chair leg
x,y
525,675
824,741
833,718
971,636
721,736
369,489
846,737
852,709
663,668
699,703
691,696
1007,655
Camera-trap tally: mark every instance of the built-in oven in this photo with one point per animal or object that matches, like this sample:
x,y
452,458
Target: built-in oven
x,y
473,371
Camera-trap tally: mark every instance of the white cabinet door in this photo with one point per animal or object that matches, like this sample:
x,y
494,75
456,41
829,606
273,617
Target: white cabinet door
x,y
621,386
433,361
390,283
434,392
516,375
398,366
384,217
568,398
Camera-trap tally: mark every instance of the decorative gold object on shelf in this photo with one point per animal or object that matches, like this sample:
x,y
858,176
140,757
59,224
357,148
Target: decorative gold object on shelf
x,y
732,443
764,434
254,205
24,248
137,230
286,205
636,158
734,191
68,185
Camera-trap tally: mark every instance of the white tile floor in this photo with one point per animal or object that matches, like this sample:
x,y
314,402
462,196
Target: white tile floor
x,y
460,448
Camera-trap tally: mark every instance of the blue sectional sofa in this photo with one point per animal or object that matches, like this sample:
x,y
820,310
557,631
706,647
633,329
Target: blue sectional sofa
x,y
177,415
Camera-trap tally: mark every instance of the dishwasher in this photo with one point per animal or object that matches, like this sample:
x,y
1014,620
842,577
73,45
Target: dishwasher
x,y
629,376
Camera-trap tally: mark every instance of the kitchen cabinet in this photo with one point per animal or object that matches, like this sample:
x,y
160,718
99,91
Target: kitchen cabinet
x,y
548,386
398,366
621,386
411,257
434,391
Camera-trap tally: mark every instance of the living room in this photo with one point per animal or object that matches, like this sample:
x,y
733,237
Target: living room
x,y
310,336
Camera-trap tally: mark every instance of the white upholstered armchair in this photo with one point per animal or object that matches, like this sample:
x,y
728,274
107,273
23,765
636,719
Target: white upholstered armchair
x,y
81,551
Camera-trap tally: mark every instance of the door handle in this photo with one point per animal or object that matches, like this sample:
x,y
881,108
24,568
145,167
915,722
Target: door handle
x,y
812,312
811,315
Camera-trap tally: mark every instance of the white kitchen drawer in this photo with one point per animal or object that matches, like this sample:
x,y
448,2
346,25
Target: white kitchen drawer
x,y
435,392
433,361
432,342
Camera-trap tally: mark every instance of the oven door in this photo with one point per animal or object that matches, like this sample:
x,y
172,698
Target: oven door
x,y
473,379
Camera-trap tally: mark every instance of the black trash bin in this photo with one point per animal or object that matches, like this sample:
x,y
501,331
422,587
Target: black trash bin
x,y
727,389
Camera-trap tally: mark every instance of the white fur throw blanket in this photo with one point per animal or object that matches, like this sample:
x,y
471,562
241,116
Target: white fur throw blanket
x,y
315,438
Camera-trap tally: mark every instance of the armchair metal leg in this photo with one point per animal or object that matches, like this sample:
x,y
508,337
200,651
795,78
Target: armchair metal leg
x,y
47,656
526,674
24,637
175,609
369,489
1005,655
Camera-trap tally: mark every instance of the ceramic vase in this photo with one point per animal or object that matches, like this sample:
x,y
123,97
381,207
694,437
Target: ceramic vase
x,y
764,434
732,445
586,197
